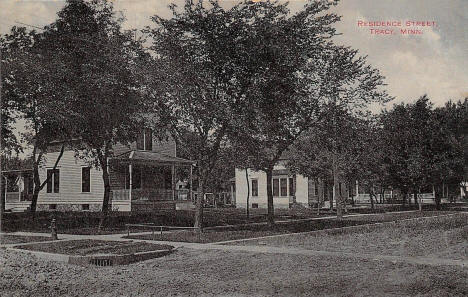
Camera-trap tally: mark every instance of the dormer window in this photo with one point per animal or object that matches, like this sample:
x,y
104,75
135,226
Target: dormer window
x,y
145,140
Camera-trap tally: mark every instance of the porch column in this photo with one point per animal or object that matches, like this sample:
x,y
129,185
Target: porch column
x,y
6,188
130,181
191,181
19,186
173,185
232,193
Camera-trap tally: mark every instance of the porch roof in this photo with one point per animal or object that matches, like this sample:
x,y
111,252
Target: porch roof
x,y
151,157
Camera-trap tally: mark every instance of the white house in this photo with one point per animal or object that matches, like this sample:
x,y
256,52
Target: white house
x,y
142,177
288,188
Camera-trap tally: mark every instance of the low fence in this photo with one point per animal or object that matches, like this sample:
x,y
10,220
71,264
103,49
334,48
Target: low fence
x,y
160,228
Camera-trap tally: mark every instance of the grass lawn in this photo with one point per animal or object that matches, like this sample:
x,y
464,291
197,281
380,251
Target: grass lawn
x,y
443,238
221,273
91,247
243,232
87,222
11,239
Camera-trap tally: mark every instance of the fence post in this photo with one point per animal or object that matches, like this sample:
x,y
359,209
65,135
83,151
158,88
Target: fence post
x,y
53,229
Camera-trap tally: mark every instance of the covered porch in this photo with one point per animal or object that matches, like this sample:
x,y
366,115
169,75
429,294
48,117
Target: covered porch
x,y
144,180
17,189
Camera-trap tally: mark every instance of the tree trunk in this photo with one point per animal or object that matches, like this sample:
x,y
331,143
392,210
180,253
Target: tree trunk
x,y
38,186
199,205
319,200
107,188
330,197
337,192
419,201
437,196
371,197
248,191
350,192
104,162
271,210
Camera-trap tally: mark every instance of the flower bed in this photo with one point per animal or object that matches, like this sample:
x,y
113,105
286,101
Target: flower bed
x,y
94,247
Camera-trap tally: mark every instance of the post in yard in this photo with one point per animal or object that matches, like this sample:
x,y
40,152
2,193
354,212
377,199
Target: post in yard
x,y
53,229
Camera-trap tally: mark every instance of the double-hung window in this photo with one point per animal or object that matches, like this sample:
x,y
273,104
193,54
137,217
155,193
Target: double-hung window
x,y
53,180
145,140
276,187
86,179
254,188
284,187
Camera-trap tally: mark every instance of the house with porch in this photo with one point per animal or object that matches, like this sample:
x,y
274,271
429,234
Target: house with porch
x,y
288,188
143,176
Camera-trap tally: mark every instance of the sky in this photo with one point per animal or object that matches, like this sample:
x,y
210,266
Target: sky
x,y
432,62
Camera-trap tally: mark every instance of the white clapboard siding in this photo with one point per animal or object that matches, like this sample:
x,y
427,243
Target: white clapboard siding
x,y
70,181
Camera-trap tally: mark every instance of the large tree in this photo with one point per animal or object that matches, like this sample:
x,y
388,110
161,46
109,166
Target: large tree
x,y
296,77
194,83
424,146
32,86
101,88
449,147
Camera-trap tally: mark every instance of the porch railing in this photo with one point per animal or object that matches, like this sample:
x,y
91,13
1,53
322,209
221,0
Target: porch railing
x,y
12,197
120,195
149,194
16,197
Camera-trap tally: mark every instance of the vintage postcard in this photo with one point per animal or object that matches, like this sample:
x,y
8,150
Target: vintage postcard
x,y
233,148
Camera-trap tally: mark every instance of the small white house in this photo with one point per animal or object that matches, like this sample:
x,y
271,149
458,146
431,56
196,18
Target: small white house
x,y
287,188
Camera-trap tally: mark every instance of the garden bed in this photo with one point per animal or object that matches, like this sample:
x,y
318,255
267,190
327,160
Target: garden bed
x,y
94,247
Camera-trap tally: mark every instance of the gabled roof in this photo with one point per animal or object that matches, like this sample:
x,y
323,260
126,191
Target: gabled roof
x,y
144,157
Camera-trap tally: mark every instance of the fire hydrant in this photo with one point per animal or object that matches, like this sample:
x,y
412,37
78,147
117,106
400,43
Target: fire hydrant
x,y
53,230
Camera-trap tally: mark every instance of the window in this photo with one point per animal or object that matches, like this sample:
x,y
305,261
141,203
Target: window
x,y
316,189
145,140
85,206
292,191
284,187
53,180
52,206
86,179
254,188
275,187
254,205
